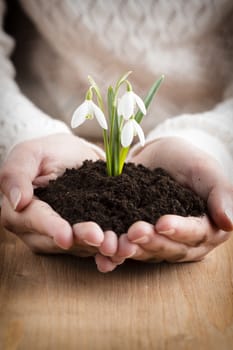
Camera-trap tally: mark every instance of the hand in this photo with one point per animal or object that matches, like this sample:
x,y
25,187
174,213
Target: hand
x,y
174,238
41,228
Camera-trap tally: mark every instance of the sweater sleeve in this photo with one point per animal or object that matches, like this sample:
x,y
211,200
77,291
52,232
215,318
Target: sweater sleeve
x,y
211,131
20,119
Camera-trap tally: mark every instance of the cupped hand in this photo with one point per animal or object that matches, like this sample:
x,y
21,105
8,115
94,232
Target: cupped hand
x,y
34,163
174,238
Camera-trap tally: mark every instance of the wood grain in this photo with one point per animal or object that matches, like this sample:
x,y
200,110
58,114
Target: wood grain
x,y
61,302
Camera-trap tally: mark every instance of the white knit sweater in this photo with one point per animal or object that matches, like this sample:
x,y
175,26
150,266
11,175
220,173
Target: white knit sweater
x,y
191,42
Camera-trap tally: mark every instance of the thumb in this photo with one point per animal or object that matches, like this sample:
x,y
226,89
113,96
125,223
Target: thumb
x,y
16,177
19,191
220,204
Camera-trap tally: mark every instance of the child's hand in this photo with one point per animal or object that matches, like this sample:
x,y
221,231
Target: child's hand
x,y
43,230
175,238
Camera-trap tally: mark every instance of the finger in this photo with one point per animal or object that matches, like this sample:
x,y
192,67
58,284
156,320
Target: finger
x,y
140,232
160,249
190,230
109,245
220,205
154,246
104,264
83,250
88,233
126,249
193,231
16,177
40,244
38,217
198,253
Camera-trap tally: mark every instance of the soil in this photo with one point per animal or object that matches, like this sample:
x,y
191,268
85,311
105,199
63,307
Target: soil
x,y
115,203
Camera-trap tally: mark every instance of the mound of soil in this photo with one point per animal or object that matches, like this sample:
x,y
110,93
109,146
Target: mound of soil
x,y
115,203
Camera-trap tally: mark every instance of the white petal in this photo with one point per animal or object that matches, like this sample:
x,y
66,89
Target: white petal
x,y
126,105
127,134
140,103
139,131
99,115
79,115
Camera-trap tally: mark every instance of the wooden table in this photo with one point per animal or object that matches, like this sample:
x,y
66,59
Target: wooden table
x,y
61,302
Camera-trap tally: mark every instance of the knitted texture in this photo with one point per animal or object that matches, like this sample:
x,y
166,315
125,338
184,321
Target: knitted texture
x,y
189,41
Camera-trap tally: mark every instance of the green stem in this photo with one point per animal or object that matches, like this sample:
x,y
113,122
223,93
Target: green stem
x,y
111,113
115,142
107,152
111,141
117,147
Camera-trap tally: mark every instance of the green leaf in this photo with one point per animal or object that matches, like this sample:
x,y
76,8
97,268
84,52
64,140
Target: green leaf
x,y
139,115
107,152
110,103
123,155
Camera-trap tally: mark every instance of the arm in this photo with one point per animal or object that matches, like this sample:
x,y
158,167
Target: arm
x,y
20,119
211,131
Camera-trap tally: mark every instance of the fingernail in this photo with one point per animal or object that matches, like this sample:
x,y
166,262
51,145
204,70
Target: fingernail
x,y
92,244
229,214
15,196
142,240
60,245
130,255
118,260
168,232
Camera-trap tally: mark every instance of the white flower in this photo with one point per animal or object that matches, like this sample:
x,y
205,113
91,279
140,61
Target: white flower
x,y
87,110
131,129
127,104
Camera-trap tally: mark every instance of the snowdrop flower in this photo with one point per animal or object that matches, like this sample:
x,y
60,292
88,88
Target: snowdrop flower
x,y
87,110
131,129
123,121
126,105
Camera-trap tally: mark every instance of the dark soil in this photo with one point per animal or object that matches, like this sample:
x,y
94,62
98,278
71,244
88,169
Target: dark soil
x,y
115,203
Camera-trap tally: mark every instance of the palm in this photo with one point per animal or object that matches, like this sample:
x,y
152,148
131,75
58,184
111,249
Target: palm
x,y
58,153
